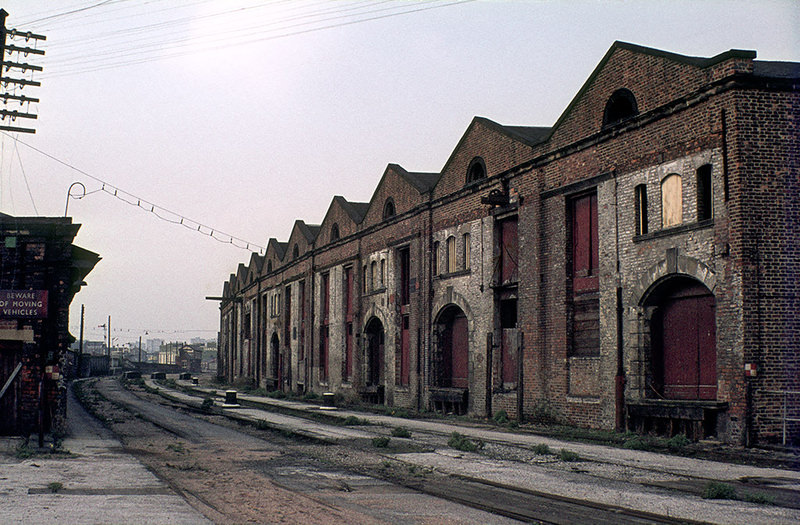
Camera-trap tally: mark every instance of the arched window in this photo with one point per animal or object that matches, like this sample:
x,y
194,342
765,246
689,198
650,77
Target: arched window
x,y
451,254
640,197
476,170
335,232
620,106
269,266
705,208
374,275
295,252
671,200
467,251
388,208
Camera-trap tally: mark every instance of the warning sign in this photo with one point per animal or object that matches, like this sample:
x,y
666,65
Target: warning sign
x,y
17,304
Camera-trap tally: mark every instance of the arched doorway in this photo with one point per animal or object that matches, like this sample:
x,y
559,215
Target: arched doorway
x,y
683,358
374,361
274,360
450,361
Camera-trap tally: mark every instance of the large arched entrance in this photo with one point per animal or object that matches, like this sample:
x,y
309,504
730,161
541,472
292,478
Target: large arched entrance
x,y
683,340
450,361
374,361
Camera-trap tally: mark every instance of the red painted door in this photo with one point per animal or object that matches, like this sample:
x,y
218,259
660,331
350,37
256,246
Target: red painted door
x,y
689,343
460,352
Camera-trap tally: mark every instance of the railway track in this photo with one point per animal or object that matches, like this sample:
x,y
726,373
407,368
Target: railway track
x,y
499,499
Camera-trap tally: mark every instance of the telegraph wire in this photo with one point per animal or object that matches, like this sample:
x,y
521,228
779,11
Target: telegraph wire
x,y
25,176
125,56
160,212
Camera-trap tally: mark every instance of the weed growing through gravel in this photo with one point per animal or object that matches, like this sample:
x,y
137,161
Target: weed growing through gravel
x,y
380,442
501,417
719,490
353,421
55,486
759,497
463,443
207,405
541,449
568,455
401,432
177,447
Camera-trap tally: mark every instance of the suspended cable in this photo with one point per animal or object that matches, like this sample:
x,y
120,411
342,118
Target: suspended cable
x,y
25,176
160,212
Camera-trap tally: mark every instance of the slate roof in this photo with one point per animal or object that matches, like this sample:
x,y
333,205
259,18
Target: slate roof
x,y
423,182
356,210
768,69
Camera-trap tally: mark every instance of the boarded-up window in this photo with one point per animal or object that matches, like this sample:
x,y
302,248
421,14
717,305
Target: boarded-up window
x,y
584,307
451,254
405,276
671,201
506,261
585,241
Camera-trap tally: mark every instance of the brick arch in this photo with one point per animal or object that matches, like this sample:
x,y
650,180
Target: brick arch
x,y
672,265
452,297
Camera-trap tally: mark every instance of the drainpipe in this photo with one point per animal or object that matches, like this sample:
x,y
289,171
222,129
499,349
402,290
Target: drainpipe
x,y
619,379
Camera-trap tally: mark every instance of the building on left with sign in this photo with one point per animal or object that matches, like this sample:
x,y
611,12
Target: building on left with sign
x,y
40,273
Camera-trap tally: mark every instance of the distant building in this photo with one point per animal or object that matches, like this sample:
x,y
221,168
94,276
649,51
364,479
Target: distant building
x,y
41,271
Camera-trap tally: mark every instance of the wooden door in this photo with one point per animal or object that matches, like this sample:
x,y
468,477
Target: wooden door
x,y
689,345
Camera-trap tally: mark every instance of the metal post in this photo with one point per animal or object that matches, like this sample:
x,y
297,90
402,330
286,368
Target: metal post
x,y
785,394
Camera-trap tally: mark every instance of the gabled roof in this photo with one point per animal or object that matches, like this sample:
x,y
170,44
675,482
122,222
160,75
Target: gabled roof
x,y
530,135
423,182
309,231
278,247
256,263
356,210
768,69
699,62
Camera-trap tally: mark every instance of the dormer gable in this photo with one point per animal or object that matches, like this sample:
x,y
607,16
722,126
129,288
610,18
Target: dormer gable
x,y
398,192
341,220
273,257
301,241
487,149
632,80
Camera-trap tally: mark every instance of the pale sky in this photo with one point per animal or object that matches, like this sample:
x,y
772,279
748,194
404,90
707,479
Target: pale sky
x,y
246,115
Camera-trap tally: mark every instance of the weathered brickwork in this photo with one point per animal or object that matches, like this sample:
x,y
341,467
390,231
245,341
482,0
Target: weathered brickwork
x,y
37,255
562,273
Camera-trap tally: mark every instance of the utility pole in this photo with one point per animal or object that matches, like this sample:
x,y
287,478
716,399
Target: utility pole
x,y
140,351
80,344
14,82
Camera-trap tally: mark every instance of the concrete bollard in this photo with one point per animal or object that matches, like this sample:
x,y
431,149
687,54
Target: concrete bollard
x,y
328,400
230,397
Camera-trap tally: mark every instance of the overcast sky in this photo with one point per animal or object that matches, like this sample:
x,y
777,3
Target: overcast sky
x,y
243,116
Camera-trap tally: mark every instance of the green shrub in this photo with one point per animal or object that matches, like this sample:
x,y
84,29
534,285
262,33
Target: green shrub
x,y
678,442
501,417
759,497
353,421
276,394
207,405
541,449
380,442
637,443
719,490
463,443
401,432
55,486
568,455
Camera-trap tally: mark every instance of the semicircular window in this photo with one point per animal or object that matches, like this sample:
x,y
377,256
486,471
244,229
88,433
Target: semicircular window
x,y
621,106
388,208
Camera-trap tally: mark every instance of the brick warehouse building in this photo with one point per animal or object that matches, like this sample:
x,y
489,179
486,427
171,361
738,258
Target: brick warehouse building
x,y
40,272
633,266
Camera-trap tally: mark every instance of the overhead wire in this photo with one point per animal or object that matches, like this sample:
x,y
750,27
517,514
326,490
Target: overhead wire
x,y
138,46
158,211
